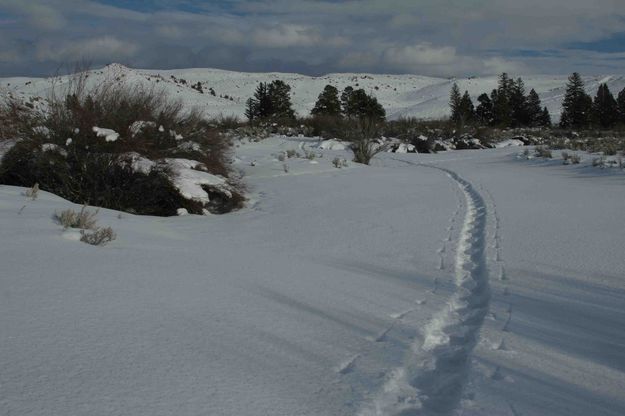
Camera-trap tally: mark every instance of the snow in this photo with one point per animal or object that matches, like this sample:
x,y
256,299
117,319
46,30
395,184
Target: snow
x,y
140,163
467,282
332,144
108,134
189,177
404,148
6,145
136,127
51,147
509,143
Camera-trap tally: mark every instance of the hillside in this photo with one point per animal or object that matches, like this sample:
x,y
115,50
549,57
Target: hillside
x,y
401,95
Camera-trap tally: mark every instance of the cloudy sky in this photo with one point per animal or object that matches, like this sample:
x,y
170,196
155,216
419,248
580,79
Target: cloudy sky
x,y
428,37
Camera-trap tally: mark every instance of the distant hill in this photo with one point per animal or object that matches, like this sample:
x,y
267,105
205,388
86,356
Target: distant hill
x,y
401,95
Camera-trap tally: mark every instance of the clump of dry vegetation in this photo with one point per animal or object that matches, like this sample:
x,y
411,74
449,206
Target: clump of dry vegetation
x,y
98,237
83,219
84,146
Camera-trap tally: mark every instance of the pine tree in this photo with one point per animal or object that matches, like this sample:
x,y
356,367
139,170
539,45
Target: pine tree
x,y
454,103
577,105
502,111
363,106
534,109
270,102
545,118
345,101
280,98
251,109
259,107
358,104
328,103
604,107
484,110
466,111
518,103
620,101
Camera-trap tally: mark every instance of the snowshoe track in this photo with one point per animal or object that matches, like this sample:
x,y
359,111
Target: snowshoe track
x,y
433,376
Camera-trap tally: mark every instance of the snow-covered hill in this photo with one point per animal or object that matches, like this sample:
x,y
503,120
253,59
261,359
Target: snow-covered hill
x,y
401,95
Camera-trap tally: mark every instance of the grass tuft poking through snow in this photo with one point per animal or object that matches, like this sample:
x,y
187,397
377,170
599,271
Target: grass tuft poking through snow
x,y
84,219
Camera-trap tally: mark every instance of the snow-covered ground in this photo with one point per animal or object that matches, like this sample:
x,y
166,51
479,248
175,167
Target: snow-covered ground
x,y
401,95
467,282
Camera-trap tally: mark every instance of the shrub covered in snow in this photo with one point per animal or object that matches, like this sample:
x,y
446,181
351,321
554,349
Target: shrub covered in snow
x,y
115,146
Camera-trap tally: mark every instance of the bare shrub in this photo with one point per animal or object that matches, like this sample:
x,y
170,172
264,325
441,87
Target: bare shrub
x,y
364,142
33,192
339,163
84,219
565,157
543,152
81,167
310,155
98,237
598,162
575,159
291,153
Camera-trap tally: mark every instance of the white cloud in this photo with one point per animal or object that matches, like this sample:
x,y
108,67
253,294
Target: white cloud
x,y
288,35
101,48
413,56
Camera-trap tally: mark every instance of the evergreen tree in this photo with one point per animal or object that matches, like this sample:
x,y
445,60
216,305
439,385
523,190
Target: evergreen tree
x,y
502,111
328,103
358,104
534,109
345,100
620,101
280,98
270,101
545,118
604,107
251,109
518,103
363,105
466,111
259,106
484,110
454,103
577,105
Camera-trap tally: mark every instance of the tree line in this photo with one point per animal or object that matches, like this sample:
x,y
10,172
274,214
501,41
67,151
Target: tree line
x,y
272,102
509,106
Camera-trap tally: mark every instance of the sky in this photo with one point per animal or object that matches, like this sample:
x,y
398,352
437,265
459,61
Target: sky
x,y
444,38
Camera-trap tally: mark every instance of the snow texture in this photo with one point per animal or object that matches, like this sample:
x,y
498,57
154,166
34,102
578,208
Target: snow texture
x,y
461,283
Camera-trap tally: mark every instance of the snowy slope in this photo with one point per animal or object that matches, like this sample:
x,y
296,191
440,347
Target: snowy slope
x,y
469,283
401,95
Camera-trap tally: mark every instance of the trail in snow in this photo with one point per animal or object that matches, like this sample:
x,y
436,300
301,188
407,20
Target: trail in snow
x,y
432,378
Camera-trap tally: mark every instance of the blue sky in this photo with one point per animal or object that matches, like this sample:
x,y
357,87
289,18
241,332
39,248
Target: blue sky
x,y
428,37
